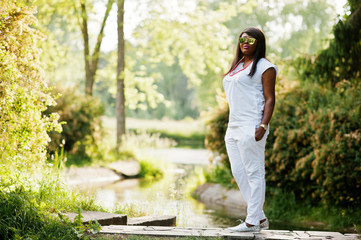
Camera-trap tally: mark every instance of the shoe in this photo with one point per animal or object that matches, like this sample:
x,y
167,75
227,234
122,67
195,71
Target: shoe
x,y
243,228
264,225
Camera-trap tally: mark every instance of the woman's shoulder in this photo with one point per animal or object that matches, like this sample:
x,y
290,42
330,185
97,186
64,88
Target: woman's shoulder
x,y
265,61
264,64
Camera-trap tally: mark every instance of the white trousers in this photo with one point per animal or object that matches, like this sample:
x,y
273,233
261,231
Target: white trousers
x,y
247,157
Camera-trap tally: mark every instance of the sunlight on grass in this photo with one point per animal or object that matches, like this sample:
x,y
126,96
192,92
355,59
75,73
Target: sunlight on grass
x,y
185,127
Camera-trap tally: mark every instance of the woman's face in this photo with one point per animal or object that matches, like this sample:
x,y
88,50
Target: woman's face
x,y
247,48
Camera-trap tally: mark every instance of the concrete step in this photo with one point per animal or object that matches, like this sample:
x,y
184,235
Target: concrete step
x,y
154,231
164,220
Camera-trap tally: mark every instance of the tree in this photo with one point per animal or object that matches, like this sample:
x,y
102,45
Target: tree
x,y
91,60
341,60
120,99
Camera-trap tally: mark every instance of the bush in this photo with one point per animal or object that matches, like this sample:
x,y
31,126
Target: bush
x,y
221,174
314,148
25,203
82,129
23,95
149,171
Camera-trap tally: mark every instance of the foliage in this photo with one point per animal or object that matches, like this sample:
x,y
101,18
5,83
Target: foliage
x,y
29,190
23,95
173,62
82,129
221,174
141,92
149,170
314,145
341,60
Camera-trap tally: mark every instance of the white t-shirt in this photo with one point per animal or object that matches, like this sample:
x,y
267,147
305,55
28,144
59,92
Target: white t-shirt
x,y
245,93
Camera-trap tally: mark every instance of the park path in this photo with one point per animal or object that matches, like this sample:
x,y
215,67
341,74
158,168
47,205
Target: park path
x,y
175,232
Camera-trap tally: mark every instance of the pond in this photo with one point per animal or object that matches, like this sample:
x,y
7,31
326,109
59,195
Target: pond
x,y
172,194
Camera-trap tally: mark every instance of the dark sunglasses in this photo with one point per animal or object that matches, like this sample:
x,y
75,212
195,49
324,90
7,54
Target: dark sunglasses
x,y
250,40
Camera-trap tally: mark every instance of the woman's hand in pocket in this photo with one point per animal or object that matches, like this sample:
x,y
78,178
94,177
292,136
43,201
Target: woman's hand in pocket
x,y
259,133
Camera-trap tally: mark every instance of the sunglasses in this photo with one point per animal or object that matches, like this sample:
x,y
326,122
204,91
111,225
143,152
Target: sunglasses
x,y
250,40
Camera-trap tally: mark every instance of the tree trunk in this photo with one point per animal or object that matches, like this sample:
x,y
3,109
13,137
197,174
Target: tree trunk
x,y
84,30
91,61
120,98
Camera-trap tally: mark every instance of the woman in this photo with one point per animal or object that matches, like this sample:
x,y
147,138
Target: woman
x,y
250,90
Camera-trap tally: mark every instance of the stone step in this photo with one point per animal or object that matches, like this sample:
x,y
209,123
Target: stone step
x,y
154,231
164,220
103,218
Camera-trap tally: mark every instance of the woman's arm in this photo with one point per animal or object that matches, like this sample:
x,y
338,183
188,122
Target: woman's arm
x,y
269,83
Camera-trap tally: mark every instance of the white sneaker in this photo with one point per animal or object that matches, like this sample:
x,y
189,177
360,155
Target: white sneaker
x,y
243,228
264,225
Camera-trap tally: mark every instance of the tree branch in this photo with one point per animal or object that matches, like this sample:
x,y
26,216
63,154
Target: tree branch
x,y
96,52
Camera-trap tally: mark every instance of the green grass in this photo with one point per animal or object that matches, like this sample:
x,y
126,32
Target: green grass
x,y
28,210
186,133
183,140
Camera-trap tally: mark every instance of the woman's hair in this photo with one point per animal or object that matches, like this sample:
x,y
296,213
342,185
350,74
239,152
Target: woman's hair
x,y
260,50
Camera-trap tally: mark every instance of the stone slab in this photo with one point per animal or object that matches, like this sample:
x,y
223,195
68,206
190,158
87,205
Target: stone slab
x,y
127,168
154,231
324,234
158,231
103,218
164,220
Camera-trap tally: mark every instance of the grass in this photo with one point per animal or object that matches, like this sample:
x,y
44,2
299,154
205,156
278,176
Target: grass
x,y
29,206
284,206
184,140
185,133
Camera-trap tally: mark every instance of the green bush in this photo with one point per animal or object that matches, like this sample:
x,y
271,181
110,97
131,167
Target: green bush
x,y
149,171
221,174
23,95
28,191
82,129
314,145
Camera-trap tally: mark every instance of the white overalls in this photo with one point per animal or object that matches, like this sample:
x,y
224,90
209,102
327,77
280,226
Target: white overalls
x,y
246,104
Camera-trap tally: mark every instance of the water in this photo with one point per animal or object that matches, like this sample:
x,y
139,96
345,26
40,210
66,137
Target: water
x,y
169,195
172,194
